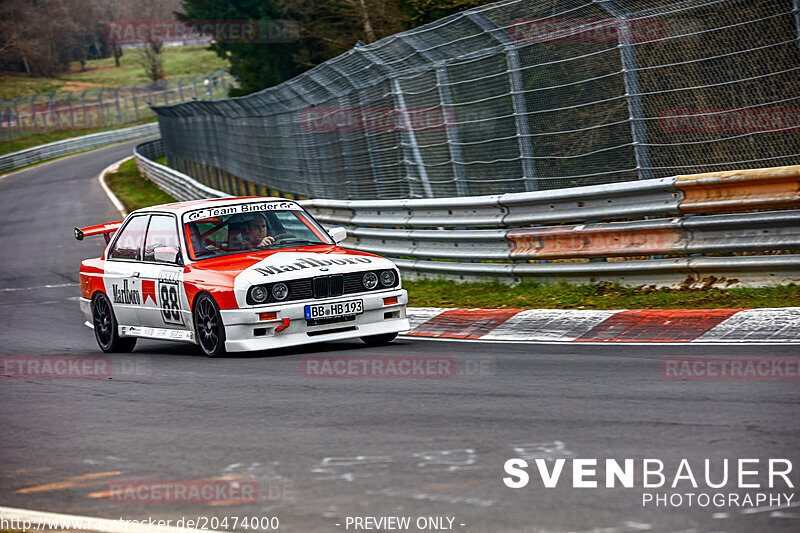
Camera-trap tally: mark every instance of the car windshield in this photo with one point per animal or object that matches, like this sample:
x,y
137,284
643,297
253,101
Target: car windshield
x,y
215,231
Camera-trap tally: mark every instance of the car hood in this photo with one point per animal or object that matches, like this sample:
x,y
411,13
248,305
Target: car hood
x,y
245,270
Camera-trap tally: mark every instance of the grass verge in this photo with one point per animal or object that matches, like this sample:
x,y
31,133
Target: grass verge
x,y
133,190
37,139
529,295
178,61
136,192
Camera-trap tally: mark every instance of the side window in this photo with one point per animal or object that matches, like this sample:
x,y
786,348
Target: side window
x,y
161,233
130,240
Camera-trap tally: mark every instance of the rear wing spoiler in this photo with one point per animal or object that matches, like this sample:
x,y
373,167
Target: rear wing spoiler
x,y
106,230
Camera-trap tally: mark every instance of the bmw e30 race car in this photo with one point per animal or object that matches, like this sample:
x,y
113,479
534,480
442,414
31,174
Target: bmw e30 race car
x,y
235,274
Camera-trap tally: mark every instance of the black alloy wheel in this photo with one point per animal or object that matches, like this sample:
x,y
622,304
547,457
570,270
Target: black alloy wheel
x,y
208,326
105,327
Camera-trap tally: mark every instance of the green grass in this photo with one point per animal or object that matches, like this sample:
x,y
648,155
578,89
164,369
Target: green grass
x,y
133,190
528,295
29,141
178,61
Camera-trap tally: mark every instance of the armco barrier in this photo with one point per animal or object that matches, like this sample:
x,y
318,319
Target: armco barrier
x,y
415,233
47,151
740,190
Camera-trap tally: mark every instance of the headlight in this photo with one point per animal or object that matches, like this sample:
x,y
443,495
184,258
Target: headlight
x,y
370,280
388,278
280,291
259,294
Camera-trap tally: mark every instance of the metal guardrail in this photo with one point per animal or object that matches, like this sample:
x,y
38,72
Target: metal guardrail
x,y
506,250
47,151
180,186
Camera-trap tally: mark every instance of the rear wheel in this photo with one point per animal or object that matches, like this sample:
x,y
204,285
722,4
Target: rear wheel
x,y
379,340
208,326
105,327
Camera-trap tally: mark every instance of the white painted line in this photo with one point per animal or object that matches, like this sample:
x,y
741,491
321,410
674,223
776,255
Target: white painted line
x,y
43,521
14,289
111,196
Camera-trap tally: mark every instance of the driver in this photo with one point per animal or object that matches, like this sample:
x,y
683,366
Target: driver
x,y
257,232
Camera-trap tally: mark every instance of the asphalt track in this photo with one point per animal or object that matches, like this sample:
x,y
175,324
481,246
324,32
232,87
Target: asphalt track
x,y
321,450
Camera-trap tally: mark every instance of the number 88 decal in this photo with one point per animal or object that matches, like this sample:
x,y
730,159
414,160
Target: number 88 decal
x,y
170,308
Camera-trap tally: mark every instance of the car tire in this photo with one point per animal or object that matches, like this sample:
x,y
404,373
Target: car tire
x,y
379,340
208,326
105,327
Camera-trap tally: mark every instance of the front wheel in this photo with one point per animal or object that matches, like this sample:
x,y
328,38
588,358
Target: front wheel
x,y
208,326
379,340
105,327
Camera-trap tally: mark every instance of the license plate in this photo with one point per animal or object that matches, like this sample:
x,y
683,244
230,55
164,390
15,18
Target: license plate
x,y
352,307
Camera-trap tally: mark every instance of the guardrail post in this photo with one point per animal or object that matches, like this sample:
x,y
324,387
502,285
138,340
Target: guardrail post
x,y
633,91
517,97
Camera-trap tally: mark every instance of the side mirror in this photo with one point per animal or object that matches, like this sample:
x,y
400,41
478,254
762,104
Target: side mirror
x,y
338,234
166,254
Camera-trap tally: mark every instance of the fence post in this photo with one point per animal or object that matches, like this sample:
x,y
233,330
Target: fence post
x,y
411,137
33,112
51,110
71,111
633,95
119,109
135,102
517,96
796,11
16,112
369,134
180,88
446,104
83,106
451,129
100,108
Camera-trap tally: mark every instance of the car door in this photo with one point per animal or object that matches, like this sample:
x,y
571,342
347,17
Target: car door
x,y
164,301
122,266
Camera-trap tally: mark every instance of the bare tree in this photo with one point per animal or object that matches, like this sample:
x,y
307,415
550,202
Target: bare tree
x,y
150,58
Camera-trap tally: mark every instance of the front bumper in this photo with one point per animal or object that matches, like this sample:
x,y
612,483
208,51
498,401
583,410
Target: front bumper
x,y
245,332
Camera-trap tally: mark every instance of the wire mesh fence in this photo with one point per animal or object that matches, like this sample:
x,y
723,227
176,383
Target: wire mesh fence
x,y
97,108
517,96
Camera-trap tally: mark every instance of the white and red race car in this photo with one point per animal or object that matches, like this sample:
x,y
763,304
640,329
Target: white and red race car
x,y
235,274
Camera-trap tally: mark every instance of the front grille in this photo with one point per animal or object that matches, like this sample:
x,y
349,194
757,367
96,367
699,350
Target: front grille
x,y
299,289
353,283
327,286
